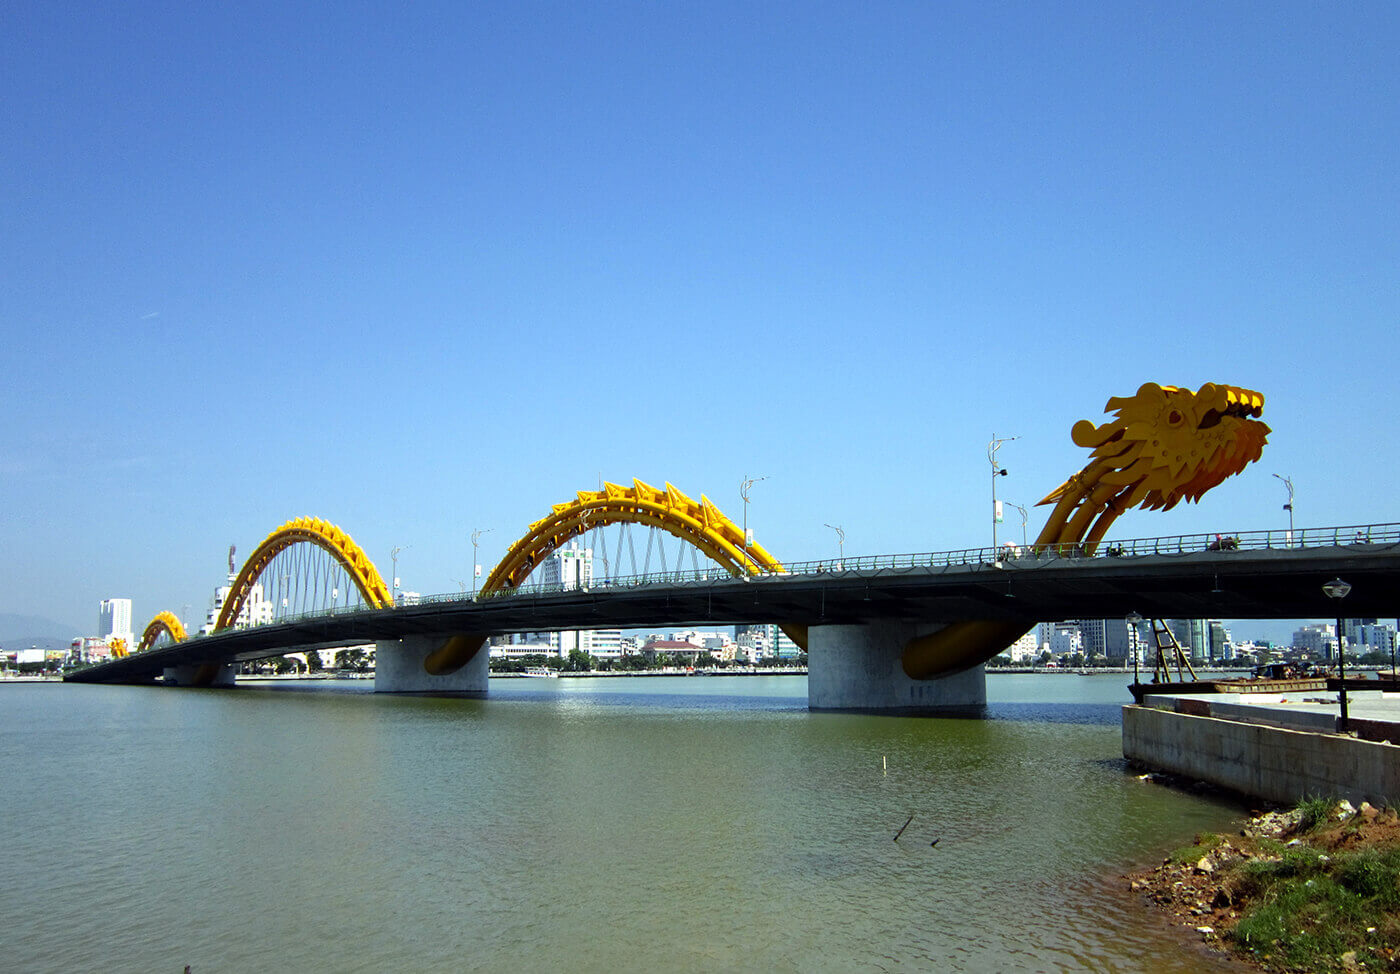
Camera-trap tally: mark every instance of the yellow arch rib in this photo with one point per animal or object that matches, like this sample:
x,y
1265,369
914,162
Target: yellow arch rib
x,y
166,622
322,534
701,524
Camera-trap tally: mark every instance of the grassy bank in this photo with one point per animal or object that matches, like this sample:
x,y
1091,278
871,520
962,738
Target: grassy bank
x,y
1316,888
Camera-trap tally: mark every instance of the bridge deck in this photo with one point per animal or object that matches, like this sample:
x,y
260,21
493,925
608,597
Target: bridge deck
x,y
1260,584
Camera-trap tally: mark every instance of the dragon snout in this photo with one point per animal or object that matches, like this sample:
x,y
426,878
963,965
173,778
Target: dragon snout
x,y
1222,401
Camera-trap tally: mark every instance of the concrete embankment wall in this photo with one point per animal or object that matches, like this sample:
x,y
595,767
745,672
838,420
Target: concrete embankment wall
x,y
1272,763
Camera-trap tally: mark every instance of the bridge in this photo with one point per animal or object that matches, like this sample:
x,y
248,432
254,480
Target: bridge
x,y
884,632
839,603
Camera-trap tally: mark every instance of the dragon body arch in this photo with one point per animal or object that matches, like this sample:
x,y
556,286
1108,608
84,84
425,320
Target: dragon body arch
x,y
164,622
306,530
699,523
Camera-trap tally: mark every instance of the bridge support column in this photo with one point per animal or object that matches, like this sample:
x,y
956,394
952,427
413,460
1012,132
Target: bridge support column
x,y
858,668
398,668
199,675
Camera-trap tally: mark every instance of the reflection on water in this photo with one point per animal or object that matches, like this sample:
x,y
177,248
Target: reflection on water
x,y
622,824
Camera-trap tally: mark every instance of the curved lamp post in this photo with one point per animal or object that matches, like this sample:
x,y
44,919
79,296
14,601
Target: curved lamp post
x,y
1336,590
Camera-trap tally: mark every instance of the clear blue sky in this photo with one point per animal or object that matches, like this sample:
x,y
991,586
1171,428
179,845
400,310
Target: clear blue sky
x,y
425,268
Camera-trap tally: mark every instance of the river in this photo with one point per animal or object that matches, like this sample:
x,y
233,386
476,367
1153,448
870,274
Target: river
x,y
685,824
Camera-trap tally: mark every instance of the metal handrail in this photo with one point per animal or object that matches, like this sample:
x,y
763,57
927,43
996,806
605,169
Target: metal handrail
x,y
1028,555
1365,534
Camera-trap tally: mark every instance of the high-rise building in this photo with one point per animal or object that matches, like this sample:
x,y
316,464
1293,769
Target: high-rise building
x,y
1368,635
114,621
1316,640
571,568
568,568
1193,635
257,608
1219,638
1065,638
1111,638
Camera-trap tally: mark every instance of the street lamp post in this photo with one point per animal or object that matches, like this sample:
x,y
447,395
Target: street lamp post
x,y
1025,516
840,544
1336,590
997,471
476,569
394,556
744,487
1288,482
1134,619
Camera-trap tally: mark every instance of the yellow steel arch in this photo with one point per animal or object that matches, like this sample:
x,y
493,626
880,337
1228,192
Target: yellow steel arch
x,y
700,523
322,534
166,622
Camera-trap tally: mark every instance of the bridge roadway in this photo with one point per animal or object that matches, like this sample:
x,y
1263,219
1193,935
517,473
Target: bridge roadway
x,y
1278,583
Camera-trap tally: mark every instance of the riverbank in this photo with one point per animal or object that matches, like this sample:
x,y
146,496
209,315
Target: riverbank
x,y
1315,888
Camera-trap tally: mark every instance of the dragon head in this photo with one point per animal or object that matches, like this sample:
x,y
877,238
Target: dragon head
x,y
1170,444
1162,446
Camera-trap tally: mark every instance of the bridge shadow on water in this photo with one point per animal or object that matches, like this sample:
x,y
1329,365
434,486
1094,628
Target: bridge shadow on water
x,y
1094,714
699,699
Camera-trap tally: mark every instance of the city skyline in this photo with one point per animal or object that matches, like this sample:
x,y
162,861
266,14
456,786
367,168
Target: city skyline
x,y
434,273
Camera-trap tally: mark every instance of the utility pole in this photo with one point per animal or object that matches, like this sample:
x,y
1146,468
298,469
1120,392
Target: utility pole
x,y
997,471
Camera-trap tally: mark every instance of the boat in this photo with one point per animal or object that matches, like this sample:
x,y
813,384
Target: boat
x,y
541,671
1270,678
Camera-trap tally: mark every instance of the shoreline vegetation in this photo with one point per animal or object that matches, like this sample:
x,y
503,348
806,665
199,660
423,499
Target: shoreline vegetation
x,y
1312,888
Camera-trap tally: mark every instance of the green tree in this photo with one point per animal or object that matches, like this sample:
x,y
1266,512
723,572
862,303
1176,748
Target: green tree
x,y
578,662
313,661
350,659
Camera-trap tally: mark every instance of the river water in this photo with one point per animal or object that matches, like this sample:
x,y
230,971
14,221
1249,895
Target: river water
x,y
592,825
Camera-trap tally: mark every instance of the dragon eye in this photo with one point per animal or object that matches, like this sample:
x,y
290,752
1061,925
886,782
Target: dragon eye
x,y
1174,418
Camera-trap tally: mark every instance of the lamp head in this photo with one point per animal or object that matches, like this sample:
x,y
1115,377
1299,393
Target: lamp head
x,y
1336,589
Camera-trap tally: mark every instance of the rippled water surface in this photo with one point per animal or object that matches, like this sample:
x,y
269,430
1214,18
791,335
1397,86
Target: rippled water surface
x,y
592,825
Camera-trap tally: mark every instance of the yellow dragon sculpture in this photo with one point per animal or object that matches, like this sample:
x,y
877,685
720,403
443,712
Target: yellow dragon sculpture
x,y
1163,445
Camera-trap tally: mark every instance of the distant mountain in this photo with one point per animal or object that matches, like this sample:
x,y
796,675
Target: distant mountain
x,y
21,632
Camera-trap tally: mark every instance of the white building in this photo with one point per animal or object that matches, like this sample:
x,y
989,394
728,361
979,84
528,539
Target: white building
x,y
1318,641
1026,648
114,621
1065,638
754,642
1367,635
571,568
512,649
257,608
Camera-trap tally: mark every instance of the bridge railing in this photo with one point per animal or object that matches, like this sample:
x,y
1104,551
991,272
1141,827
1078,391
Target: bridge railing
x,y
1182,544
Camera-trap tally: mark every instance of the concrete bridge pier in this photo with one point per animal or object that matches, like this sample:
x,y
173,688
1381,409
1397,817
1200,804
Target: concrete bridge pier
x,y
398,668
199,675
858,668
